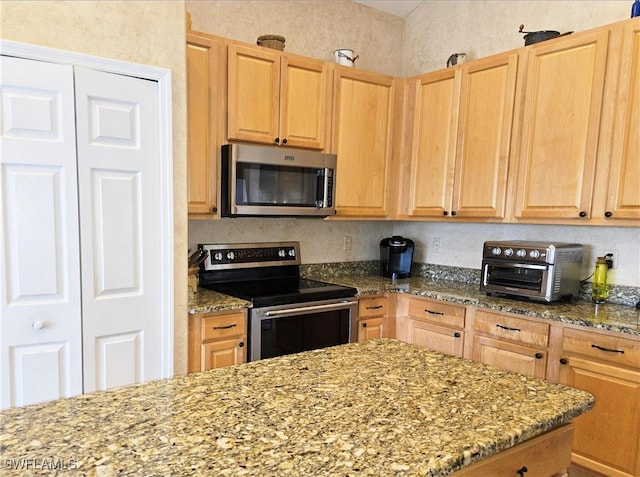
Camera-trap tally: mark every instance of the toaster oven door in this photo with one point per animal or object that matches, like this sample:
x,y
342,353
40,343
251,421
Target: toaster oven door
x,y
522,279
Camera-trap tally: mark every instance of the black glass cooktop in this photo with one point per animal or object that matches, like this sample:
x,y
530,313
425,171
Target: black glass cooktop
x,y
282,291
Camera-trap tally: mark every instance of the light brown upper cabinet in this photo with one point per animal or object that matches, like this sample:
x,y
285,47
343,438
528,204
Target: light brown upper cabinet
x,y
622,199
362,128
461,140
277,98
560,128
205,122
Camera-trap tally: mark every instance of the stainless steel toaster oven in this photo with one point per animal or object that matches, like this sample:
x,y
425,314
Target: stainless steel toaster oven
x,y
543,271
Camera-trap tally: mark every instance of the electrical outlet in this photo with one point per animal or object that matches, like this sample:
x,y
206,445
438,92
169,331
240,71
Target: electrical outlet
x,y
614,256
436,244
347,243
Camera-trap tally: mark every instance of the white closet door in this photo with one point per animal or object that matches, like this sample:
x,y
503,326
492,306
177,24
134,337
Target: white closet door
x,y
40,324
120,222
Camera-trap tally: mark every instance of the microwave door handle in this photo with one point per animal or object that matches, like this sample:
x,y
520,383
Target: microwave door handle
x,y
308,309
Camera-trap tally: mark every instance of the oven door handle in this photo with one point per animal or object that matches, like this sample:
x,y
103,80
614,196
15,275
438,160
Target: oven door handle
x,y
308,309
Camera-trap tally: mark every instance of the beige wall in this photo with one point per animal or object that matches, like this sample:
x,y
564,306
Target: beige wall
x,y
480,28
146,32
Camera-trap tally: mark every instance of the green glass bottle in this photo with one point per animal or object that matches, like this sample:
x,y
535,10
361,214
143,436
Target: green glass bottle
x,y
599,289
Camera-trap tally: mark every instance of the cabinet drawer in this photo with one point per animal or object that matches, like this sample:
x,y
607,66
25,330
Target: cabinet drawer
x,y
612,349
223,326
512,328
373,306
437,312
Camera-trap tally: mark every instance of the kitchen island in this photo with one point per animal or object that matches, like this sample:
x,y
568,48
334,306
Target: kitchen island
x,y
380,407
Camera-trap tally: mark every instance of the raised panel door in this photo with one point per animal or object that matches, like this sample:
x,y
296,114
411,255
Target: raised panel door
x,y
607,438
509,356
560,128
371,328
40,312
221,353
303,102
487,97
434,143
623,198
362,131
439,338
204,78
253,94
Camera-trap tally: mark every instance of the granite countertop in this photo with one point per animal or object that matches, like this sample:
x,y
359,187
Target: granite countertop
x,y
380,407
608,316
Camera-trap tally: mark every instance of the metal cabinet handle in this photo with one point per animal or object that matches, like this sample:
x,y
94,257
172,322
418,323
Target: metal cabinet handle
x,y
284,141
241,344
225,327
364,325
374,307
608,214
38,325
538,355
456,335
523,470
434,312
277,140
608,350
507,328
453,213
563,361
582,214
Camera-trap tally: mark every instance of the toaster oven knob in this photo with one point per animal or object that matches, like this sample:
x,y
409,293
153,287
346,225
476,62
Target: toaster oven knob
x,y
217,256
231,255
508,252
292,252
496,251
282,253
534,254
521,253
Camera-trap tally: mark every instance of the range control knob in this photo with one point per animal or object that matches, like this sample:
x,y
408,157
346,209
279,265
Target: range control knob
x,y
292,252
496,250
521,253
508,252
231,255
218,256
282,253
534,254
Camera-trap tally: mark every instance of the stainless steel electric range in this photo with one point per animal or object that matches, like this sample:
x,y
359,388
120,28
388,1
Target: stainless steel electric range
x,y
289,314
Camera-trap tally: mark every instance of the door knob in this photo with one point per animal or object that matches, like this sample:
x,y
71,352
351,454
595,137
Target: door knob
x,y
38,325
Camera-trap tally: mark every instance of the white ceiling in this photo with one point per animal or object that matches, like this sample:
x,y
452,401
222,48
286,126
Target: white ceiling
x,y
400,8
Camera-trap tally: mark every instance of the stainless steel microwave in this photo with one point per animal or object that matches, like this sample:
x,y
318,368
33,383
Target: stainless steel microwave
x,y
276,181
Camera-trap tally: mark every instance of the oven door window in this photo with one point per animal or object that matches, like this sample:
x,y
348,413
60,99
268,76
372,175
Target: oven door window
x,y
516,276
269,185
293,334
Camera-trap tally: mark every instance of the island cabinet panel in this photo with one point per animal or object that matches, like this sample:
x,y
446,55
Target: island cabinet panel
x,y
560,128
510,342
547,455
217,340
205,82
461,139
373,318
277,98
436,325
363,109
607,438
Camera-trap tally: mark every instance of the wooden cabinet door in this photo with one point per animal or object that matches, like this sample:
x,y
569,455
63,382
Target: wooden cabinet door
x,y
623,198
487,98
560,128
607,438
204,77
510,356
303,102
362,131
221,353
371,328
253,94
434,143
439,338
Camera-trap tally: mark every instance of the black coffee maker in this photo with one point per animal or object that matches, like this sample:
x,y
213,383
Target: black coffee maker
x,y
396,255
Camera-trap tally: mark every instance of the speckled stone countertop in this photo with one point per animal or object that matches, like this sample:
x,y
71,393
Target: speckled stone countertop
x,y
608,316
380,407
207,301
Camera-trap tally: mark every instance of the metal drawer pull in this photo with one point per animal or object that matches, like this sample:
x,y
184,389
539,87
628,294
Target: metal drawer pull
x,y
607,349
225,327
434,312
308,309
507,328
374,307
522,471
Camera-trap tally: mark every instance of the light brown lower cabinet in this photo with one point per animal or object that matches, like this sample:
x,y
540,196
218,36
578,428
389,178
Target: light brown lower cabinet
x,y
548,455
373,313
217,340
607,438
